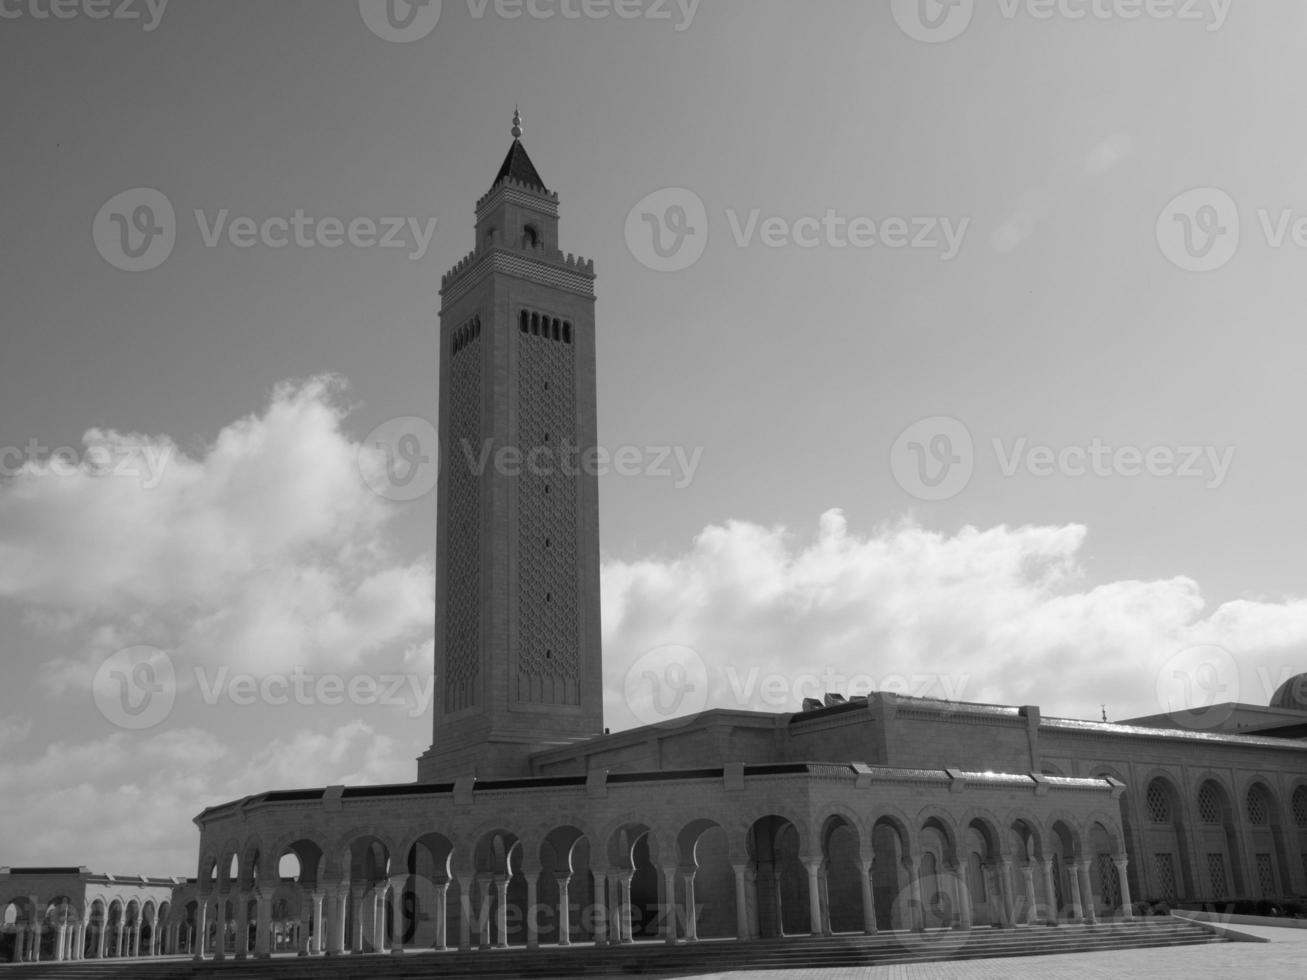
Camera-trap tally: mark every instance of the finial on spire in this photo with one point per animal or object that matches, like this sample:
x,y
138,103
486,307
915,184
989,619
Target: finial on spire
x,y
517,124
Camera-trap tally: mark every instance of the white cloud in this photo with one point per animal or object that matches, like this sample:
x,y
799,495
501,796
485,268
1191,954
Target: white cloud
x,y
124,804
264,551
998,615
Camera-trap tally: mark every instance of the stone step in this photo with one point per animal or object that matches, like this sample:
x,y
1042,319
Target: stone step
x,y
652,957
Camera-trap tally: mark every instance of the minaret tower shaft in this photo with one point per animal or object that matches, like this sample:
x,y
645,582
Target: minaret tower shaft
x,y
518,662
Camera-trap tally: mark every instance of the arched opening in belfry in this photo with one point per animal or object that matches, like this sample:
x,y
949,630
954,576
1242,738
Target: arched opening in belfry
x,y
781,899
530,237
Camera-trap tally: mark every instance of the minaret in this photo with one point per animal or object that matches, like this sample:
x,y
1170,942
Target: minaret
x,y
518,664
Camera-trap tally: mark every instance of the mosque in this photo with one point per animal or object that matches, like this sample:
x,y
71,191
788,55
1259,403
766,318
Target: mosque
x,y
529,825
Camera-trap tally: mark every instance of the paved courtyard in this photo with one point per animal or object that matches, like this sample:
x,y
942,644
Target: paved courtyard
x,y
1280,959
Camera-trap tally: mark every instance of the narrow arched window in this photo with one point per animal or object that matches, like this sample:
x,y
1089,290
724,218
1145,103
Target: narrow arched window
x,y
567,331
525,322
529,237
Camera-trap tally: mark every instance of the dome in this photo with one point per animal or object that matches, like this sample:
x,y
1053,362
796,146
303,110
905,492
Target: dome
x,y
1292,694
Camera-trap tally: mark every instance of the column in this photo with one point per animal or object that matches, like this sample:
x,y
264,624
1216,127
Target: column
x,y
356,908
156,936
691,908
815,925
60,937
918,905
501,913
602,919
262,925
667,912
1087,893
868,901
824,878
1077,909
120,950
242,926
1122,864
483,916
624,908
201,929
964,897
1050,892
338,899
614,908
565,910
379,918
315,936
397,886
1006,891
442,915
1028,874
465,913
741,904
532,910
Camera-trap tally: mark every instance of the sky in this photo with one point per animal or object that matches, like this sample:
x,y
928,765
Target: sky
x,y
956,349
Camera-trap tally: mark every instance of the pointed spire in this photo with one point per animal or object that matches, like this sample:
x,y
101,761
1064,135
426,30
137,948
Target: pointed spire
x,y
517,164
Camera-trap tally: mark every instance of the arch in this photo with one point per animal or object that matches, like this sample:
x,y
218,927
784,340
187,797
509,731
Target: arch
x,y
530,236
782,904
842,847
1163,830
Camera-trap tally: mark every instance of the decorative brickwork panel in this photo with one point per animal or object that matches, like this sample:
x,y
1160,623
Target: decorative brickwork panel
x,y
1165,867
1265,875
1300,806
463,588
1209,804
549,631
1216,875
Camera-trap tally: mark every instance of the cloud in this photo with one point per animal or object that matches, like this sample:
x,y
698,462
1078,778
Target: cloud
x,y
124,804
265,550
1000,615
